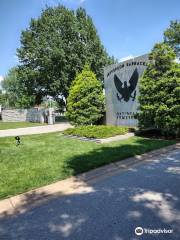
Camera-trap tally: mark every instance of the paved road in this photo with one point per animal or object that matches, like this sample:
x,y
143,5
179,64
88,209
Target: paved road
x,y
147,195
34,130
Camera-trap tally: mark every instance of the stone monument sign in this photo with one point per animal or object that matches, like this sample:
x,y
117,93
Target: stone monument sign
x,y
121,83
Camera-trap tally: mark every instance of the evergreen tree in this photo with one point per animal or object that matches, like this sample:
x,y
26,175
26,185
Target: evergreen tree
x,y
160,92
85,104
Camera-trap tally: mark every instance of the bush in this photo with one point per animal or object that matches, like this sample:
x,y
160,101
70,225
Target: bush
x,y
148,132
85,104
160,93
94,131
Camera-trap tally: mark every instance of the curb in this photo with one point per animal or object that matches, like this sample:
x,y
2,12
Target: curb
x,y
78,184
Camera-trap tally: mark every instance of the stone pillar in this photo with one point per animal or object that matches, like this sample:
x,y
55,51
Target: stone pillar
x,y
42,116
51,119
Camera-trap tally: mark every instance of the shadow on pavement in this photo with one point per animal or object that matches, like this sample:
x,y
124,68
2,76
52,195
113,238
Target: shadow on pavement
x,y
146,195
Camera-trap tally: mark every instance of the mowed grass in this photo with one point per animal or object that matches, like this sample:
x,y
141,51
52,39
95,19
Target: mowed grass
x,y
12,125
46,158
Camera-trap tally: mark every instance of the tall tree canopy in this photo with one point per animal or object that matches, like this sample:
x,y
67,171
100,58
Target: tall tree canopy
x,y
3,99
172,36
55,47
15,93
160,92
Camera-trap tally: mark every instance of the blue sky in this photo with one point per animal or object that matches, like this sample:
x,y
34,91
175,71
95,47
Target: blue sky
x,y
126,27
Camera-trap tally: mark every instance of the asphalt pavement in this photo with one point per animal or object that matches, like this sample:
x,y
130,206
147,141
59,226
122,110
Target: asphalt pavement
x,y
145,196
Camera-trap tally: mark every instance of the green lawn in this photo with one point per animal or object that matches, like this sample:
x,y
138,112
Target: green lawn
x,y
11,125
46,158
96,131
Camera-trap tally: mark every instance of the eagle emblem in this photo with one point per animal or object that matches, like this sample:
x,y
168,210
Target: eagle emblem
x,y
126,91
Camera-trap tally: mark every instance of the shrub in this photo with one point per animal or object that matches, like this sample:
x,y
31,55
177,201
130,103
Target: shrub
x,y
85,104
100,131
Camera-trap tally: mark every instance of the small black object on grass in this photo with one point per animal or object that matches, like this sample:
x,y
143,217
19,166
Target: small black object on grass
x,y
18,140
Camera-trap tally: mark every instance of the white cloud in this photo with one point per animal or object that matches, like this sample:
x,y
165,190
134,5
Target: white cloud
x,y
1,79
126,58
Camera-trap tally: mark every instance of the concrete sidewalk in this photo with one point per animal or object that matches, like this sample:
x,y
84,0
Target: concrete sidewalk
x,y
35,130
75,185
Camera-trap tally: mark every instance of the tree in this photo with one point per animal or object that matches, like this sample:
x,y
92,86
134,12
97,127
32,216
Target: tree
x,y
3,99
15,94
85,104
160,92
54,48
172,36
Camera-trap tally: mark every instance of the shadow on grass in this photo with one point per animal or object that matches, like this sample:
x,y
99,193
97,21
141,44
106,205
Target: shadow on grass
x,y
145,196
106,154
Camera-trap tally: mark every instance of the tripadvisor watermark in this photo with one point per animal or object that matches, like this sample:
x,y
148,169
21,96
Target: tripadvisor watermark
x,y
139,231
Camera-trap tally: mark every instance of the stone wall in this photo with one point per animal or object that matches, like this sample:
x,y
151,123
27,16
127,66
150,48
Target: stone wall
x,y
24,115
